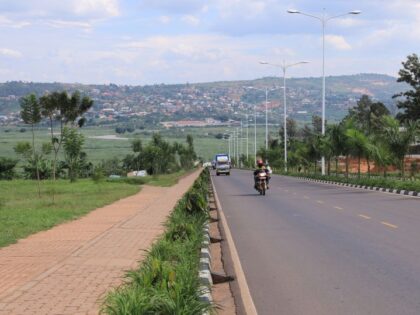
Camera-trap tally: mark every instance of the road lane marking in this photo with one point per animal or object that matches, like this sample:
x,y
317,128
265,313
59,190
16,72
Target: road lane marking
x,y
389,225
320,201
364,216
338,208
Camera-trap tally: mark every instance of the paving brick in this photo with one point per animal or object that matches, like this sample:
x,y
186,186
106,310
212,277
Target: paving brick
x,y
69,269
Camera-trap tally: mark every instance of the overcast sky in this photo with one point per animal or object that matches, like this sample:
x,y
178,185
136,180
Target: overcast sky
x,y
177,41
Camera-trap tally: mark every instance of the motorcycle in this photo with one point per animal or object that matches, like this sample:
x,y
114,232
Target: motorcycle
x,y
261,182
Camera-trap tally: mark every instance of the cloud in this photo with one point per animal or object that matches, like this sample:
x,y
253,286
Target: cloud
x,y
174,6
71,24
191,20
104,8
164,19
6,22
338,42
10,53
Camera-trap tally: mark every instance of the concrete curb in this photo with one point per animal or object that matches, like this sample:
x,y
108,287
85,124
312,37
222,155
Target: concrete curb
x,y
204,272
379,189
244,293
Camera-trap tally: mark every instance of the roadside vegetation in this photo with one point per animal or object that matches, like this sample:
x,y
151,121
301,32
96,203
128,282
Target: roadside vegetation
x,y
368,147
23,213
167,280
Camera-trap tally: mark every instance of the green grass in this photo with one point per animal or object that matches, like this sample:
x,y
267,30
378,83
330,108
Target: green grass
x,y
206,145
167,281
22,213
164,180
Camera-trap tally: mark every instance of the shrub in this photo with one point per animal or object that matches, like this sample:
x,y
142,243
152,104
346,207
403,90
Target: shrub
x,y
167,281
7,168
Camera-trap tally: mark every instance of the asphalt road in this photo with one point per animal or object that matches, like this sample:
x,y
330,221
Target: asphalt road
x,y
312,248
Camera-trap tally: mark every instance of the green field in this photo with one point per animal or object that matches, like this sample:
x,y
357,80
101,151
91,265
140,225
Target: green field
x,y
23,213
205,143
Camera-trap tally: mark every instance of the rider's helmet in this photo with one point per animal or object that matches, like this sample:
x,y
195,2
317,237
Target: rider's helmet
x,y
260,163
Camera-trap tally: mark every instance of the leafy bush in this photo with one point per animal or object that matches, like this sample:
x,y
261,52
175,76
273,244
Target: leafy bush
x,y
7,168
167,281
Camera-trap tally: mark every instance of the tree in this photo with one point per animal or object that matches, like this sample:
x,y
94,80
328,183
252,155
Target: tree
x,y
410,105
31,115
74,157
367,114
65,110
358,144
400,139
292,131
317,124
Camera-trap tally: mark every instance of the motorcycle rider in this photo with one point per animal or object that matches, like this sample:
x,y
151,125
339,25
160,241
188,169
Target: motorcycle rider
x,y
260,167
269,171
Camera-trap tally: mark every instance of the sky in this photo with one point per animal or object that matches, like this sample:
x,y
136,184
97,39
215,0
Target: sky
x,y
139,42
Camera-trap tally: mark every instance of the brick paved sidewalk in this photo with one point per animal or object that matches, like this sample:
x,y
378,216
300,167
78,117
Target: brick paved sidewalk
x,y
67,270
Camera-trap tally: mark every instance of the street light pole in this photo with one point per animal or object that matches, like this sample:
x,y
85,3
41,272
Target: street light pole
x,y
255,134
266,118
323,19
284,68
247,137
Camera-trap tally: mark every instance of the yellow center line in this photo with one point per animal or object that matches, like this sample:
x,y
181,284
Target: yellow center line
x,y
338,208
364,216
320,201
389,225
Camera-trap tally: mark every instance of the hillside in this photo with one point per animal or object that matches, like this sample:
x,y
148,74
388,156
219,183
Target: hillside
x,y
220,100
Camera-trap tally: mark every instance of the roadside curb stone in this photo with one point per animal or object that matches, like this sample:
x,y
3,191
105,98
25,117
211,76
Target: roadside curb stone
x,y
380,189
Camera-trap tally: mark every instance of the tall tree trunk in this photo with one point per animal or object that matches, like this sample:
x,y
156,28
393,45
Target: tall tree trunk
x,y
347,166
329,167
36,161
336,166
402,163
55,159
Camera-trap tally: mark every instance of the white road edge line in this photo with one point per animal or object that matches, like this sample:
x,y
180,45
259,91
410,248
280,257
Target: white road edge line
x,y
237,266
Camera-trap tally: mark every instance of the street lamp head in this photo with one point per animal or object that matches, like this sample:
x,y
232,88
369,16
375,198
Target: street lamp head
x,y
293,11
355,12
263,62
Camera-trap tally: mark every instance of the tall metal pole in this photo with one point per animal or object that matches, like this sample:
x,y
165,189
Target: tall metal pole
x,y
229,145
285,118
241,143
237,145
323,89
266,118
324,19
247,137
255,134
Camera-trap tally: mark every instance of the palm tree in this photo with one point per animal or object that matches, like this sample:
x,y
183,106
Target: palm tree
x,y
381,154
358,144
399,139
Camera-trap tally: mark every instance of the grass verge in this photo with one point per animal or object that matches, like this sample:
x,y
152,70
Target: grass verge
x,y
167,281
22,213
164,180
371,182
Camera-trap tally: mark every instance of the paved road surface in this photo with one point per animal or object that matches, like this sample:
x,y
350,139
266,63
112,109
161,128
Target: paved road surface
x,y
311,248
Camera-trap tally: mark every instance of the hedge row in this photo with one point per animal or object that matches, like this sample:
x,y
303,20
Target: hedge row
x,y
167,281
